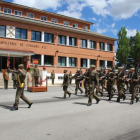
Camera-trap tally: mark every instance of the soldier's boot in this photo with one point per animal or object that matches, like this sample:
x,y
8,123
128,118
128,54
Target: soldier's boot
x,y
30,105
124,97
118,99
69,93
98,101
131,102
137,99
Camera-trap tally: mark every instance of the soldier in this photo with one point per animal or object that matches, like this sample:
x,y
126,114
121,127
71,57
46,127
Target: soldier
x,y
78,76
110,83
126,82
14,78
6,78
53,77
100,74
21,75
66,84
134,81
70,75
36,75
120,84
93,82
86,75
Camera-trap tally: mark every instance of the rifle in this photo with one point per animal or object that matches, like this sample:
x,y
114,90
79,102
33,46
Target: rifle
x,y
123,71
136,72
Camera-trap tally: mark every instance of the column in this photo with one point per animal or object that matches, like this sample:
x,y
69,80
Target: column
x,y
106,64
67,41
42,36
105,46
88,63
42,60
67,60
88,43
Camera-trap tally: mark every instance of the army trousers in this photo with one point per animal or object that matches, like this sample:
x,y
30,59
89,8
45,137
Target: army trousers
x,y
36,81
70,80
86,88
78,87
14,84
99,90
52,81
20,94
65,89
110,90
91,95
121,91
133,92
5,84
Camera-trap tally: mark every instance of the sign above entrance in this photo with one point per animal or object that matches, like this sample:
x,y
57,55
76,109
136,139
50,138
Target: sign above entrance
x,y
10,32
35,61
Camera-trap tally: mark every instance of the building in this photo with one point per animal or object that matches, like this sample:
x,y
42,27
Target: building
x,y
56,41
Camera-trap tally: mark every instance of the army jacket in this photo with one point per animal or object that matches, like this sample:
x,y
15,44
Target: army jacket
x,y
52,75
70,74
66,79
14,76
93,78
120,81
36,72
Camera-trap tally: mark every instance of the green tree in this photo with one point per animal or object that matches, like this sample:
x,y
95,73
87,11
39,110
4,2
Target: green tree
x,y
135,49
123,47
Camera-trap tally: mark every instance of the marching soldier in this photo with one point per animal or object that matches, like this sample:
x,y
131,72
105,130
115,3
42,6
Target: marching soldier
x,y
36,75
21,75
110,83
14,78
120,85
66,84
86,75
134,81
93,82
6,78
78,76
70,75
53,77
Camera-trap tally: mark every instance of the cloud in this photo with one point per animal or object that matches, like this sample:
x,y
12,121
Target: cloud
x,y
100,31
131,32
41,4
113,25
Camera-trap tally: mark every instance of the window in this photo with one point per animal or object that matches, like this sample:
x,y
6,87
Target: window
x,y
21,33
7,10
102,64
54,20
85,27
62,40
60,77
48,60
102,46
30,15
84,63
72,62
48,38
36,56
109,47
92,62
35,35
92,44
83,43
75,25
2,31
62,61
18,13
109,64
72,41
0,9
43,18
66,23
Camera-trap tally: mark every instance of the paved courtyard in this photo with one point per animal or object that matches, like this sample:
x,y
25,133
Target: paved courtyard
x,y
52,118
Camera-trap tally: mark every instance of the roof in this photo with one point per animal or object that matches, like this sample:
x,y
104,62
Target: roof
x,y
43,11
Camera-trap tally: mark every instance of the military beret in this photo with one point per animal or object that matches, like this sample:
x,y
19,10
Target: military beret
x,y
92,66
116,70
132,69
127,70
109,69
20,65
65,70
98,69
120,67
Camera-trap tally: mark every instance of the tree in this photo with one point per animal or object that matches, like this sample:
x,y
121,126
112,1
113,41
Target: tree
x,y
123,47
135,50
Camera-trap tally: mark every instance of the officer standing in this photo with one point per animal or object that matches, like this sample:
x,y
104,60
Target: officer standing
x,y
36,75
120,85
21,75
66,84
93,82
52,77
14,78
70,77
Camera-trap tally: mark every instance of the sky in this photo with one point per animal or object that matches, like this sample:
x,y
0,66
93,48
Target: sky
x,y
108,16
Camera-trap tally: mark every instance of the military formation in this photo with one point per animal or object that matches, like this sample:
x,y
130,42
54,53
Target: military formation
x,y
95,81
